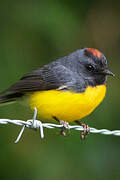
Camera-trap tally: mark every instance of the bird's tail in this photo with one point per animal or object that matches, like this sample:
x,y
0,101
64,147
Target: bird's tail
x,y
9,98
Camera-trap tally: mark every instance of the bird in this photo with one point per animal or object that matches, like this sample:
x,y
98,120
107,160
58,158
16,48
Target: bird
x,y
66,90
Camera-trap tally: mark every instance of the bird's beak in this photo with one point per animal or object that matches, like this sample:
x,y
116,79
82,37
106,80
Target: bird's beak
x,y
108,72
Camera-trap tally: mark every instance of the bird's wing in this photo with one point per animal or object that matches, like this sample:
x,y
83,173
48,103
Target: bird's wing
x,y
45,78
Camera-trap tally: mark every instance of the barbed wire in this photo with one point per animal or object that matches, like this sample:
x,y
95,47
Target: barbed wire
x,y
36,124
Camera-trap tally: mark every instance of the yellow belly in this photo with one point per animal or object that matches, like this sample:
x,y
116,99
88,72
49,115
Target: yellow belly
x,y
67,106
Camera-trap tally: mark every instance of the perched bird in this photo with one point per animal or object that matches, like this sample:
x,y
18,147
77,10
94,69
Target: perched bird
x,y
66,90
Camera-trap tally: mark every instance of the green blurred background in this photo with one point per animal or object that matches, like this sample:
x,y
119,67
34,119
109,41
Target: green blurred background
x,y
33,33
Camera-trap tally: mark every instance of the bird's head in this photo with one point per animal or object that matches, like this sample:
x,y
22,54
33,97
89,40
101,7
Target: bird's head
x,y
92,66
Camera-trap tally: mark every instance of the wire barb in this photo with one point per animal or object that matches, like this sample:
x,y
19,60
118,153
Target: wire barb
x,y
35,124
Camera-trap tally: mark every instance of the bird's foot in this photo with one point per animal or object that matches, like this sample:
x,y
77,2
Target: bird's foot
x,y
65,130
85,131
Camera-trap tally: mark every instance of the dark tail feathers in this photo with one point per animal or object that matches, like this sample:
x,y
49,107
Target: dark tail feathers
x,y
9,97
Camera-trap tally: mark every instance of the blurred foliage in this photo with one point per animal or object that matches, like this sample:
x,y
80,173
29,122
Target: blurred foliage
x,y
33,33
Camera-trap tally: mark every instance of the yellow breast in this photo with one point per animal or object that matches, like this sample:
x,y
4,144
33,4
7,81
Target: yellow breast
x,y
67,106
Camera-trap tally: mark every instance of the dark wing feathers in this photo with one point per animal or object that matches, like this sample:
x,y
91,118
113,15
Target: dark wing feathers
x,y
31,84
46,78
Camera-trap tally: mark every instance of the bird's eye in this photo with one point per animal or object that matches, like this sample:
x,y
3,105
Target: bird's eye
x,y
90,67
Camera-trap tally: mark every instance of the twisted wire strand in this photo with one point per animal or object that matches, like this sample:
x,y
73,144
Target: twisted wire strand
x,y
35,124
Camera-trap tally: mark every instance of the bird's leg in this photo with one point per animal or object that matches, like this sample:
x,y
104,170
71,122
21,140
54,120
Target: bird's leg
x,y
65,130
86,130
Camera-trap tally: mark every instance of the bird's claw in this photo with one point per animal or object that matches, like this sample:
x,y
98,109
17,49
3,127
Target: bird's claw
x,y
65,127
85,131
65,131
